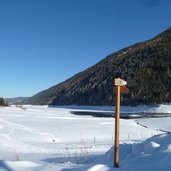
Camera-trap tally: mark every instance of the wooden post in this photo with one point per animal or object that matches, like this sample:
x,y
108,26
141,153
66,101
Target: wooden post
x,y
117,125
119,87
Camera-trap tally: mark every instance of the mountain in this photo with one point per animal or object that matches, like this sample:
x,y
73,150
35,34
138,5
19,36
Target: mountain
x,y
146,66
16,100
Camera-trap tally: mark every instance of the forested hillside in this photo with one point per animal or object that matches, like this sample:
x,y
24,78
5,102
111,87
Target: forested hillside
x,y
146,66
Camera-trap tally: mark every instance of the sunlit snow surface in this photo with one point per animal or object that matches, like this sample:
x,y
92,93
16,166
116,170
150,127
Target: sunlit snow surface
x,y
41,138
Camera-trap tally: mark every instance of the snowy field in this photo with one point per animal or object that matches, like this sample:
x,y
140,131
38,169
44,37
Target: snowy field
x,y
39,138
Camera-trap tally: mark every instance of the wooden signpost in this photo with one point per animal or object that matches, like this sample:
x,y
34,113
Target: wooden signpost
x,y
119,87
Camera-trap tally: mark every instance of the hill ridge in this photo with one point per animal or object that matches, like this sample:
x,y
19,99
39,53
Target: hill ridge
x,y
145,65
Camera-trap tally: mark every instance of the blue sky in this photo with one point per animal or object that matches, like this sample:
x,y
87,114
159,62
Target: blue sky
x,y
44,42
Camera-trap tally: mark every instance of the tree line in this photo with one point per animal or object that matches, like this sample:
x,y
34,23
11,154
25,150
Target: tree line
x,y
2,102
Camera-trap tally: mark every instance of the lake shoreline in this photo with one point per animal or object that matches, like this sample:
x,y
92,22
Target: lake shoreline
x,y
122,115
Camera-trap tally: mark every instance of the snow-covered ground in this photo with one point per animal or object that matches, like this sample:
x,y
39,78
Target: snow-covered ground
x,y
39,138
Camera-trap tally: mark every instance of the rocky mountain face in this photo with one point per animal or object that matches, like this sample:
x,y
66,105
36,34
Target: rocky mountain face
x,y
146,67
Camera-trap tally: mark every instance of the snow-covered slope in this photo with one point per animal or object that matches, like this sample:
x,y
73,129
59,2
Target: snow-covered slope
x,y
41,138
152,154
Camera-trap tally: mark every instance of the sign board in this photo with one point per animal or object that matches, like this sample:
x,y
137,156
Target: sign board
x,y
120,82
123,89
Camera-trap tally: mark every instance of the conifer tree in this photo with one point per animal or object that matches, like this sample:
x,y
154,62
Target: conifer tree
x,y
2,102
